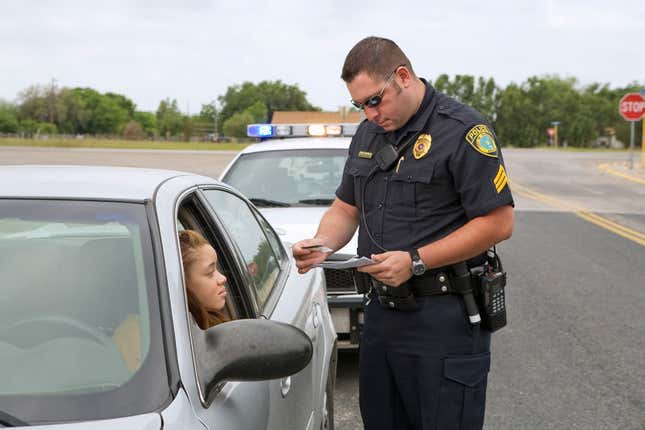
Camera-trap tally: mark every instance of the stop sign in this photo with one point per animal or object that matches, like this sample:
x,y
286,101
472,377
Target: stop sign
x,y
632,106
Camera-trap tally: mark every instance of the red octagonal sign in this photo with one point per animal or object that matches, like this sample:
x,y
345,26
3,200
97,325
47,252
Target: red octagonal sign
x,y
632,106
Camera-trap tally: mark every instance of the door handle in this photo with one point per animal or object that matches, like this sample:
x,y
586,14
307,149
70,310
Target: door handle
x,y
285,386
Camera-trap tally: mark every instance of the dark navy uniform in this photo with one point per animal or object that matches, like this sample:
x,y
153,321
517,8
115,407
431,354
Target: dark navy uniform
x,y
426,368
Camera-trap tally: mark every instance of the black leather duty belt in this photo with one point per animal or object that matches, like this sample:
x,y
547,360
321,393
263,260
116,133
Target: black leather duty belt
x,y
431,284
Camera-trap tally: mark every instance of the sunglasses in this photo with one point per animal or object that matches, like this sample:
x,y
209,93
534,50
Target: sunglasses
x,y
377,98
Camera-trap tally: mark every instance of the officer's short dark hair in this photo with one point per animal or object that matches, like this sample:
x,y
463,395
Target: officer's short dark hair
x,y
376,56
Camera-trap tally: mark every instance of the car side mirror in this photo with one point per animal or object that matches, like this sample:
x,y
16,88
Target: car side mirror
x,y
254,350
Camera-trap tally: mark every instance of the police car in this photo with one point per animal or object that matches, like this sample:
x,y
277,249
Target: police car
x,y
293,182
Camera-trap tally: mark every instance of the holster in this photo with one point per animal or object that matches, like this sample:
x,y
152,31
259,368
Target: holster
x,y
397,298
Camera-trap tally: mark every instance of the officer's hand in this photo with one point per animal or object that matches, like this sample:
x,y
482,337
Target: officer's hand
x,y
306,256
392,268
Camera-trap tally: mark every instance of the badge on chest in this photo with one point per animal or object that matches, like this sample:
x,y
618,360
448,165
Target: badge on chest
x,y
422,146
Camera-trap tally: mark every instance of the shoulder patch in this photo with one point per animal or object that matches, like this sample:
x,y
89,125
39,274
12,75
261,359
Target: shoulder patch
x,y
481,139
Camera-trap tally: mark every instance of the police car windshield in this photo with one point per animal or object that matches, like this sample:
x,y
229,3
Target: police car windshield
x,y
79,318
299,177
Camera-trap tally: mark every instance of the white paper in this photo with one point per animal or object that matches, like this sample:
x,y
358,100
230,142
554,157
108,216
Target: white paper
x,y
346,264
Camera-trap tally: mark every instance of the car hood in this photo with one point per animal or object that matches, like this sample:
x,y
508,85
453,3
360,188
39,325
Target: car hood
x,y
295,224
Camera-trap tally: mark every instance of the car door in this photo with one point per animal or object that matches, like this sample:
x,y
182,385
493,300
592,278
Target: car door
x,y
234,405
266,264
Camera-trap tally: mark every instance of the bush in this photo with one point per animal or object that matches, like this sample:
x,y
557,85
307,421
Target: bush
x,y
236,124
47,128
133,131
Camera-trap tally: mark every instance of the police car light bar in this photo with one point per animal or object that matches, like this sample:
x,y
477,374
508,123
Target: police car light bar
x,y
259,130
300,130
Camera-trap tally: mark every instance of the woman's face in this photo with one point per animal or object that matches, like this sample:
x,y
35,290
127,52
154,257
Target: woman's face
x,y
205,281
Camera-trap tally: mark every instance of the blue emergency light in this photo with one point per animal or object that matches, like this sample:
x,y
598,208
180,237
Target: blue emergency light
x,y
259,130
263,131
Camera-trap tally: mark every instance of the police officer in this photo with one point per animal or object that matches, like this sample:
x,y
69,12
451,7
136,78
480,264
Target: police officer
x,y
435,196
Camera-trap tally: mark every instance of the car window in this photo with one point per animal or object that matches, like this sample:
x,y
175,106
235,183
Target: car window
x,y
295,177
78,285
260,258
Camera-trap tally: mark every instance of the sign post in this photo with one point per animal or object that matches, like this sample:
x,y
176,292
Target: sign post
x,y
632,108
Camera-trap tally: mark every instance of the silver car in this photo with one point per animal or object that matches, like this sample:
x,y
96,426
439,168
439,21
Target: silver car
x,y
293,182
95,330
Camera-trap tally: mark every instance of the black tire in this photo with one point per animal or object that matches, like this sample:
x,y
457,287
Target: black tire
x,y
327,422
328,409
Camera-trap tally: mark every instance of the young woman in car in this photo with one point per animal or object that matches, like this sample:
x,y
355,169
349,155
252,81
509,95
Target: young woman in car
x,y
205,284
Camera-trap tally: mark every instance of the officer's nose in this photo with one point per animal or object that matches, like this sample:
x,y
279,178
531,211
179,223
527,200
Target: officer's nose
x,y
371,113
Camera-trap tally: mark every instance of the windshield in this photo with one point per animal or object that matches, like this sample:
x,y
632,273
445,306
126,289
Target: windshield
x,y
80,336
296,177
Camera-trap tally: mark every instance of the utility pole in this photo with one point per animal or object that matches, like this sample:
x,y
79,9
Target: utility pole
x,y
215,118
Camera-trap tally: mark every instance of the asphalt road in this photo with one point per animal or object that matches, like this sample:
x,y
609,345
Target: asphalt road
x,y
572,356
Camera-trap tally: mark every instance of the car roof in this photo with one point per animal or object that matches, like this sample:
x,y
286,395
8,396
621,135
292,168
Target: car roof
x,y
86,182
299,143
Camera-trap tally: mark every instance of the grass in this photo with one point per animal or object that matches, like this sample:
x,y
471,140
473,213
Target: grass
x,y
203,146
122,144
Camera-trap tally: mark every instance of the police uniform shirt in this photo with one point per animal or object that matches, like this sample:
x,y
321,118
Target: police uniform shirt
x,y
451,171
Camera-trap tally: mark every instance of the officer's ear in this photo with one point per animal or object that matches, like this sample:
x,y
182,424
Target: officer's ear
x,y
404,77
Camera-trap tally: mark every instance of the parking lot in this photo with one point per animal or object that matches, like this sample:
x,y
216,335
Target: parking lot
x,y
571,356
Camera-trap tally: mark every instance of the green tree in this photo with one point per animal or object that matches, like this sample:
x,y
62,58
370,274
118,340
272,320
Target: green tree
x,y
105,115
208,112
275,95
73,115
8,118
28,126
47,128
32,104
236,124
123,102
148,122
169,119
513,125
258,112
482,94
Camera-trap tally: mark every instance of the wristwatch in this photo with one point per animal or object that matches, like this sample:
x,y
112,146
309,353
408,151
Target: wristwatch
x,y
418,266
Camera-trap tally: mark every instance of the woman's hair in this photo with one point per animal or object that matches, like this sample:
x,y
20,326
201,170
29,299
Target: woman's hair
x,y
190,241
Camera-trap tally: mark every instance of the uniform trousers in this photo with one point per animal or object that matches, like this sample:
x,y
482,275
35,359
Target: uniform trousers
x,y
423,369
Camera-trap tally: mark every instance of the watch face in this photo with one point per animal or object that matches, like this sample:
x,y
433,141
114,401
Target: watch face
x,y
418,268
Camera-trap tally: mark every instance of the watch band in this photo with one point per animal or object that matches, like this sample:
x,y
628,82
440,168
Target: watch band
x,y
418,266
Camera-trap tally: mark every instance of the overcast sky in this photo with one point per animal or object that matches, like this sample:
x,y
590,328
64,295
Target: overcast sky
x,y
192,50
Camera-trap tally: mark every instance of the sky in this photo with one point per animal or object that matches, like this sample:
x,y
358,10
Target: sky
x,y
193,50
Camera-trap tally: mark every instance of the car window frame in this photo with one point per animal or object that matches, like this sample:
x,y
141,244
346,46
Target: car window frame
x,y
284,263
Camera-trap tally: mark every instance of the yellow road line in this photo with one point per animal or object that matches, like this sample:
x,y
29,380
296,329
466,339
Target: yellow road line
x,y
619,229
607,169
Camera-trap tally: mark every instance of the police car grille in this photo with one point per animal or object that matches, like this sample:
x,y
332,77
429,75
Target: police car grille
x,y
339,281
